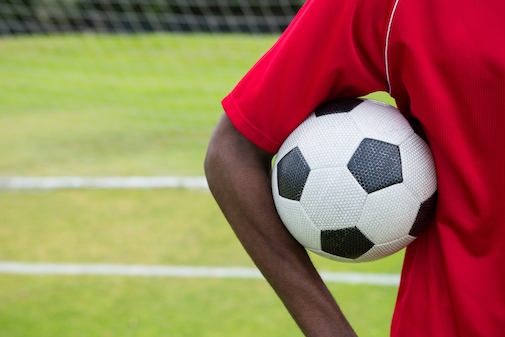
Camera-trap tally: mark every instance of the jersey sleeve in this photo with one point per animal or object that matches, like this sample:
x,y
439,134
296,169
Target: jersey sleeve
x,y
331,49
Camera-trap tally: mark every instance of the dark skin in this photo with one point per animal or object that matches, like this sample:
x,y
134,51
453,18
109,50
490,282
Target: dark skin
x,y
238,173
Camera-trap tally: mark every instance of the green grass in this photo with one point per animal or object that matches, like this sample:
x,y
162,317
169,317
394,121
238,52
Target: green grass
x,y
130,226
134,105
115,105
149,227
119,306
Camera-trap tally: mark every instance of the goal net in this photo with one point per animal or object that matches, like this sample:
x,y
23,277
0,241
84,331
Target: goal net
x,y
36,16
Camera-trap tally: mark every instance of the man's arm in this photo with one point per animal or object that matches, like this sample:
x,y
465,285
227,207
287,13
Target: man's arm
x,y
238,173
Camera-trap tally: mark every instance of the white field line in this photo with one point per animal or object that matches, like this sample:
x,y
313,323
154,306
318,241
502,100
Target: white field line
x,y
49,183
23,268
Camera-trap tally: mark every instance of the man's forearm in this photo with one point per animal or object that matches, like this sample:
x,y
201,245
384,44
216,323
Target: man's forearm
x,y
239,177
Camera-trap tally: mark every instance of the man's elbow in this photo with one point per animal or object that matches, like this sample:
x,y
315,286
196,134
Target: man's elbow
x,y
212,162
230,153
220,149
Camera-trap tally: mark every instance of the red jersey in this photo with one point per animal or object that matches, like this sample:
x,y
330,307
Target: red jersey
x,y
443,61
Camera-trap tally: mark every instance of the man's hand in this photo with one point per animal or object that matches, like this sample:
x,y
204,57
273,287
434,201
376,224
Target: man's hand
x,y
238,173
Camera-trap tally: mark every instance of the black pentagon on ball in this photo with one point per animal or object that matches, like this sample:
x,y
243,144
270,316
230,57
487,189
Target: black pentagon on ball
x,y
292,173
424,215
337,106
349,242
376,165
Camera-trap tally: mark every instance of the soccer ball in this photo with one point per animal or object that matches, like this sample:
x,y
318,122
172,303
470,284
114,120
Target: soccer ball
x,y
354,182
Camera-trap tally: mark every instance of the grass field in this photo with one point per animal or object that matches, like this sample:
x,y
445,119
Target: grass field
x,y
149,227
133,105
115,104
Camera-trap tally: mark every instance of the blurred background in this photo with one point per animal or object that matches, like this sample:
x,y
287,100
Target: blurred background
x,y
97,90
132,78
